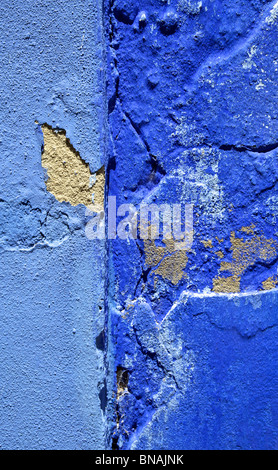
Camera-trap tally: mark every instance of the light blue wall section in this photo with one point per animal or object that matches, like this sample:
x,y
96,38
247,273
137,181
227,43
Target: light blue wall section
x,y
51,276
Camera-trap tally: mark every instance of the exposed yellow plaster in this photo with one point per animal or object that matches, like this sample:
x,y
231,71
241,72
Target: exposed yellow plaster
x,y
245,254
169,263
249,230
270,283
219,254
207,243
225,285
171,267
69,177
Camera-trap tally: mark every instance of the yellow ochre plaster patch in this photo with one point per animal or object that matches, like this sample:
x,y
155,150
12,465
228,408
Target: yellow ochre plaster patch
x,y
249,230
169,263
69,177
270,283
207,243
226,285
245,254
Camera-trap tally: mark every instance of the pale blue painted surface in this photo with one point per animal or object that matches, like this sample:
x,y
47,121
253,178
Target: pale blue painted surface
x,y
51,290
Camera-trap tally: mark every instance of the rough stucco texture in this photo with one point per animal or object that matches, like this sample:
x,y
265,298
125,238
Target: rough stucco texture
x,y
189,360
193,108
52,279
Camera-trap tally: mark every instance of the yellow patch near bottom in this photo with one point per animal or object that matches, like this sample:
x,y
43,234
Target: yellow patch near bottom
x,y
270,283
226,285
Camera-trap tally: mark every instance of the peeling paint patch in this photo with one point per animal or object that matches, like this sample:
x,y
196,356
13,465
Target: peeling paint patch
x,y
167,261
69,177
248,230
226,285
207,243
245,254
270,283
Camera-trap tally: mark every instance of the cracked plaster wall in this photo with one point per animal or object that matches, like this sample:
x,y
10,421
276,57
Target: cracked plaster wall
x,y
193,119
52,392
190,359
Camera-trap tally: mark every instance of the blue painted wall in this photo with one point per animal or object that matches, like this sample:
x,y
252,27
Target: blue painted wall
x,y
193,117
52,280
190,358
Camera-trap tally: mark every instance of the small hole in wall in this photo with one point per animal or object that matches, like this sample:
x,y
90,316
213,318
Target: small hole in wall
x,y
100,341
115,445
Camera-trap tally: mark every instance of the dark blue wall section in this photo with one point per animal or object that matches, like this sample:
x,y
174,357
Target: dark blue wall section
x,y
193,117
